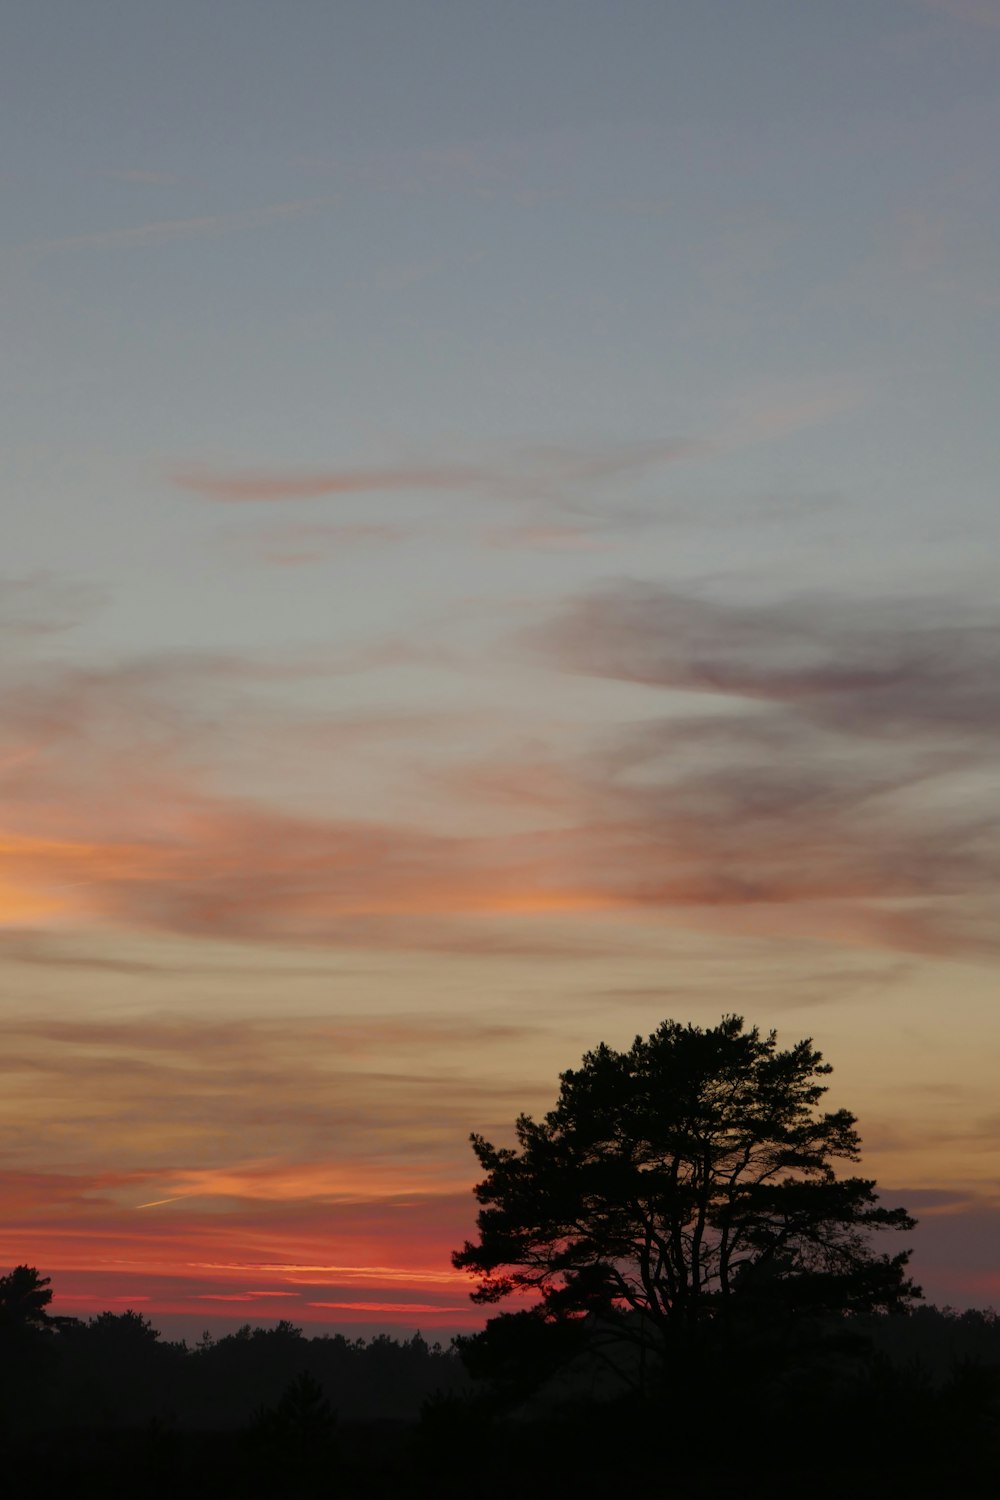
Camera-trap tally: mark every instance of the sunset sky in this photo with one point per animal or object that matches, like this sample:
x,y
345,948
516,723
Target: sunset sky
x,y
500,548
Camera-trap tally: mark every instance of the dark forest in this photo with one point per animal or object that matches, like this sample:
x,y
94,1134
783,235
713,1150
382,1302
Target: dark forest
x,y
903,1404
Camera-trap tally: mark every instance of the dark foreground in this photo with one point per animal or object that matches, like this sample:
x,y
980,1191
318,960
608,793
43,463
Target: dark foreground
x,y
108,1409
623,1453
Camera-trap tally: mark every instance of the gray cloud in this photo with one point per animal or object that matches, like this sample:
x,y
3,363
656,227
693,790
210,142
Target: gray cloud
x,y
843,758
847,664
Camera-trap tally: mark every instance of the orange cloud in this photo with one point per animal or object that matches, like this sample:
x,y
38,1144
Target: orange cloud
x,y
101,1256
805,802
373,1275
282,1181
217,880
283,1117
406,1308
367,1225
20,904
100,1266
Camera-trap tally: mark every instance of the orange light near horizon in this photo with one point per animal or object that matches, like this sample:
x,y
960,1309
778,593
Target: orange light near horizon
x,y
274,1182
391,1307
368,1274
18,905
264,1255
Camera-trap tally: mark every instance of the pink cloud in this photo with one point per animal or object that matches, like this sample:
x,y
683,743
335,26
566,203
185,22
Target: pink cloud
x,y
544,539
799,807
769,415
394,1308
550,476
277,1263
250,485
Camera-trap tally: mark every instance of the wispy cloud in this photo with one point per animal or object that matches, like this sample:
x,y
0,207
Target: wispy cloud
x,y
544,539
393,1309
777,411
838,773
162,231
143,177
244,485
38,948
973,12
834,781
882,667
578,495
555,475
200,1117
205,1159
184,1256
109,817
37,606
296,545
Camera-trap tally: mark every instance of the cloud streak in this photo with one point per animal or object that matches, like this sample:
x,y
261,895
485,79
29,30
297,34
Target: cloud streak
x,y
822,771
873,669
805,766
164,231
971,12
272,1256
810,766
561,477
295,545
237,487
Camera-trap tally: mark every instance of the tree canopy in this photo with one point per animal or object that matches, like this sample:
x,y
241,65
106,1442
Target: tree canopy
x,y
681,1186
24,1301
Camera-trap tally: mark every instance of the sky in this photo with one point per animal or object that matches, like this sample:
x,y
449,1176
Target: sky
x,y
499,549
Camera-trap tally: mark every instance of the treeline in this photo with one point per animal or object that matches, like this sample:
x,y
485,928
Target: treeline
x,y
115,1371
886,1405
937,1342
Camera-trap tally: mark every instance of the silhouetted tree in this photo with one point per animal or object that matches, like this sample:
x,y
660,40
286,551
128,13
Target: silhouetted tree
x,y
117,1371
681,1193
27,1348
24,1301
